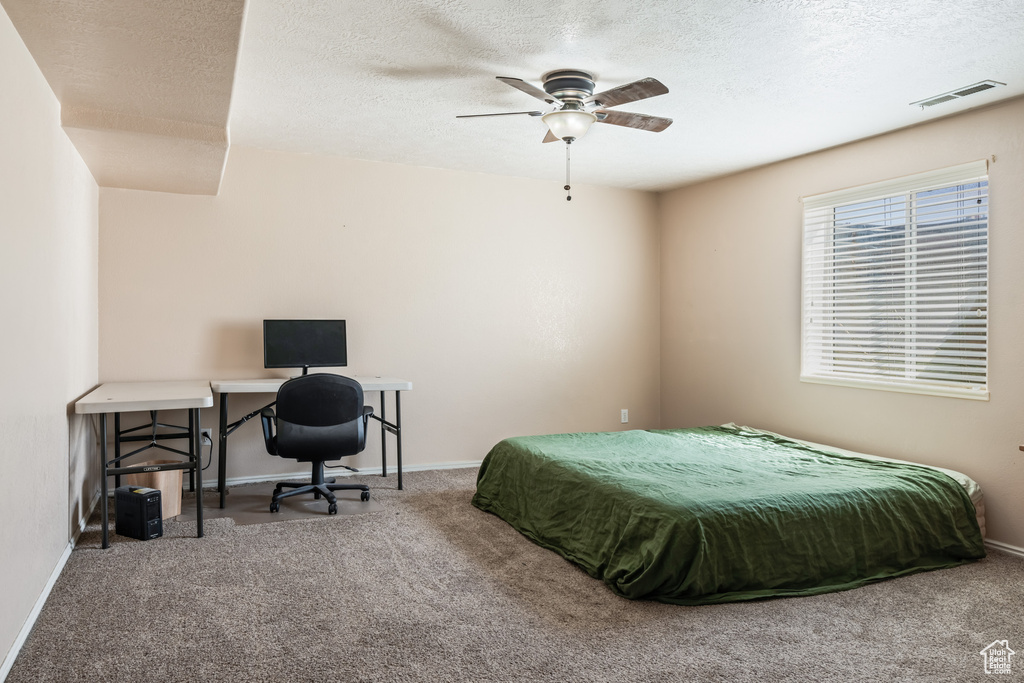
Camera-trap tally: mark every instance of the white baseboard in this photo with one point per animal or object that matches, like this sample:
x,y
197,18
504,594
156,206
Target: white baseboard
x,y
1006,548
12,654
211,482
342,472
30,622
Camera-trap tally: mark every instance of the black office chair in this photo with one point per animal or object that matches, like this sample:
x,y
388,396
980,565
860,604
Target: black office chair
x,y
319,417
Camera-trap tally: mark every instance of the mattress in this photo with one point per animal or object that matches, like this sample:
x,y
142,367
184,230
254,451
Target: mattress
x,y
972,487
721,514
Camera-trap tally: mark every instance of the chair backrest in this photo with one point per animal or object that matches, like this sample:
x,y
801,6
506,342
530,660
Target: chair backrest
x,y
320,417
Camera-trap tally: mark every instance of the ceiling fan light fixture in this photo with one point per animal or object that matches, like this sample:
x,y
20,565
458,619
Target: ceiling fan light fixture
x,y
569,123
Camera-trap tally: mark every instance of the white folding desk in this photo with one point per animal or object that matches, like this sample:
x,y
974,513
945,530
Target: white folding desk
x,y
124,397
225,387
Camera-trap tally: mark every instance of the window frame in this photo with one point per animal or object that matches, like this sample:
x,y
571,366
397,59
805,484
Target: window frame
x,y
820,211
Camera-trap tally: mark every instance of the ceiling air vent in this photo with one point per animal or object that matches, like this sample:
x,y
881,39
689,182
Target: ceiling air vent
x,y
956,94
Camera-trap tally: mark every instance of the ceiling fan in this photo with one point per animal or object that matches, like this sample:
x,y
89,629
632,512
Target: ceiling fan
x,y
576,107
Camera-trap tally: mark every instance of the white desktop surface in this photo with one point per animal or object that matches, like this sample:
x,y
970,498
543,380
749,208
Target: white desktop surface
x,y
117,397
270,385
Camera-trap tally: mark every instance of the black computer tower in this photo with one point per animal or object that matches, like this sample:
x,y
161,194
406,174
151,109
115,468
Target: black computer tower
x,y
137,512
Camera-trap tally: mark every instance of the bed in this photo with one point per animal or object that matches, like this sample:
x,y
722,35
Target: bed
x,y
728,513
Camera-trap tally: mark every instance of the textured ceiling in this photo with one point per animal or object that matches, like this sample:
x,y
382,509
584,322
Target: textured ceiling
x,y
144,87
149,90
751,81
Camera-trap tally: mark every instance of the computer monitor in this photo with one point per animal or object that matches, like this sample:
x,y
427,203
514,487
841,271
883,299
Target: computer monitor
x,y
304,344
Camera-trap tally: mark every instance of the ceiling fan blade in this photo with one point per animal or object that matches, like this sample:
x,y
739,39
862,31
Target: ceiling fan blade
x,y
631,92
550,137
531,90
504,113
655,124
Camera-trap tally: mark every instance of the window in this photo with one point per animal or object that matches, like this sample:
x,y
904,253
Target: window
x,y
895,285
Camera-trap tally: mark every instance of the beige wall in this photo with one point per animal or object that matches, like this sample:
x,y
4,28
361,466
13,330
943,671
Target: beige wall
x,y
511,310
48,349
731,310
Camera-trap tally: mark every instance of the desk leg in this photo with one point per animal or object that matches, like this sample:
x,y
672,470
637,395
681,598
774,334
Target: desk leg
x,y
117,446
398,434
222,450
197,444
383,436
103,478
193,428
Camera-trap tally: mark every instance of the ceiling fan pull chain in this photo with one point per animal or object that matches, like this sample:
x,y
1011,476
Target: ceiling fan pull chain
x,y
568,197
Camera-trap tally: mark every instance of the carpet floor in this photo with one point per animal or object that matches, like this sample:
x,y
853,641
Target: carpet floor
x,y
431,589
250,504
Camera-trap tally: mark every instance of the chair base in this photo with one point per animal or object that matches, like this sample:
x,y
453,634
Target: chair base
x,y
318,487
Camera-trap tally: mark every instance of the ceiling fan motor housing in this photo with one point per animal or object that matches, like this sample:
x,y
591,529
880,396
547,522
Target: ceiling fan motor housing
x,y
569,84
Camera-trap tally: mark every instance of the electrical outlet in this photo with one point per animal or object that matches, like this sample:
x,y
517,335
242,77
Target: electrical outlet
x,y
625,415
207,435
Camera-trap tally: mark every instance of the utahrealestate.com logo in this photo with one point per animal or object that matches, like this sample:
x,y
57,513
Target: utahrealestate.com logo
x,y
997,657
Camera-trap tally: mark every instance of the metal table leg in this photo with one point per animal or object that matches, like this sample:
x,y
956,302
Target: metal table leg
x,y
193,428
197,451
222,450
383,435
103,478
117,446
398,434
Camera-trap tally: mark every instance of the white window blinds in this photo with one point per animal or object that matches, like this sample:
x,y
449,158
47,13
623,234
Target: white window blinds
x,y
895,284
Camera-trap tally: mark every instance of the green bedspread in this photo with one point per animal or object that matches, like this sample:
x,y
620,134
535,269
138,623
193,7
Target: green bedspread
x,y
719,514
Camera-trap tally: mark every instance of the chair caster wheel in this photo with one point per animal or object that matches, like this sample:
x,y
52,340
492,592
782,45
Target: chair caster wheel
x,y
364,496
275,507
332,509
